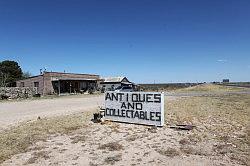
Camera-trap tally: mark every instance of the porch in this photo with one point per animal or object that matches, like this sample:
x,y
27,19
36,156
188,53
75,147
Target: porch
x,y
73,86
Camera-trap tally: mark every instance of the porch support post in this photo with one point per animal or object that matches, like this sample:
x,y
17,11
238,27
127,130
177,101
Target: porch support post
x,y
59,88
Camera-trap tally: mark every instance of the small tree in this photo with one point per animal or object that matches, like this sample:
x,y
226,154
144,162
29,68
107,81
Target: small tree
x,y
10,72
26,75
3,79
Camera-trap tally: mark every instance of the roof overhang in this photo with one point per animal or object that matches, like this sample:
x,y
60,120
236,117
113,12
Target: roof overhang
x,y
110,82
73,79
127,83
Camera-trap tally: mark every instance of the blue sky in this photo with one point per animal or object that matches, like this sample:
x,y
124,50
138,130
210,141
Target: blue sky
x,y
146,40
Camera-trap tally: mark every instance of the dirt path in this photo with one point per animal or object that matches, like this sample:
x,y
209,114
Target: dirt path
x,y
12,113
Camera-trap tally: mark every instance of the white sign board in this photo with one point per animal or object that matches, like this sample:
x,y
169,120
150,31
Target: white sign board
x,y
135,107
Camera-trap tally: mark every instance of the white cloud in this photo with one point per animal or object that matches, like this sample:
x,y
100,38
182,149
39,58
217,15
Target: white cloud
x,y
222,60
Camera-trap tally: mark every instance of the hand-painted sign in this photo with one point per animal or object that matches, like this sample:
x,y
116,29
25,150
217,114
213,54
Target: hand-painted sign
x,y
135,107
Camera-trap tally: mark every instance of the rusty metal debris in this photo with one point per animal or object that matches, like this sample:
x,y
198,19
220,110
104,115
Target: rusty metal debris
x,y
182,127
98,117
152,129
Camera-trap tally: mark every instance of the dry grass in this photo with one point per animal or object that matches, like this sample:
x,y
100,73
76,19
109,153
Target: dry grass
x,y
184,141
132,138
114,127
170,152
224,119
111,160
210,88
112,146
78,138
19,139
38,155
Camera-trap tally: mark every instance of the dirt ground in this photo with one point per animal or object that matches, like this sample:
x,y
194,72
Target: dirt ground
x,y
14,112
220,137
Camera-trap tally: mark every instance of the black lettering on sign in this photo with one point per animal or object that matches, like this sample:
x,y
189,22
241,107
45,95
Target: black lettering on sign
x,y
123,113
113,112
107,112
123,105
158,116
132,114
152,116
120,94
134,97
108,97
138,106
136,114
157,98
118,112
146,115
142,116
127,114
141,98
115,96
131,106
149,98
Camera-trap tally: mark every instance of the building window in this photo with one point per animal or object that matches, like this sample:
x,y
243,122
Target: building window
x,y
36,84
225,80
22,84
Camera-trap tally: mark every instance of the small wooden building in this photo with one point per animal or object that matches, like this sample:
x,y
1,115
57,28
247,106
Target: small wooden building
x,y
111,83
57,83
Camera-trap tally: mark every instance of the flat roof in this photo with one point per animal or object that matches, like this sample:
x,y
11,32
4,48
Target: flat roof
x,y
30,77
60,73
72,73
74,79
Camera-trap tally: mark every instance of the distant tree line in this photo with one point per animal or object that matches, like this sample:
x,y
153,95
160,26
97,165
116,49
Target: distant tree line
x,y
10,72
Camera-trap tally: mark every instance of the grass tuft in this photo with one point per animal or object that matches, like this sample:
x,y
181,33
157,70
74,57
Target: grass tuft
x,y
112,146
169,152
111,160
18,139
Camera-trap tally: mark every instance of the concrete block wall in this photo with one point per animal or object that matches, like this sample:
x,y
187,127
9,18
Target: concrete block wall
x,y
30,83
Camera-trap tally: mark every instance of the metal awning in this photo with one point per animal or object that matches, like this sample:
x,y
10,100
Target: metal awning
x,y
73,79
127,83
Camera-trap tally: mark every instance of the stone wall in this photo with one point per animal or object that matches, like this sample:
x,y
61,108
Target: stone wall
x,y
17,92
